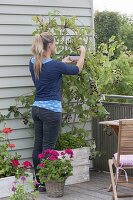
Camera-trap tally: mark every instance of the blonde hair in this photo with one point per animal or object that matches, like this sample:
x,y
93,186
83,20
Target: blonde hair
x,y
39,45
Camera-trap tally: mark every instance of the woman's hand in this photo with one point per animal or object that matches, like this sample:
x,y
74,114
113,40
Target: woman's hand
x,y
81,50
67,60
80,62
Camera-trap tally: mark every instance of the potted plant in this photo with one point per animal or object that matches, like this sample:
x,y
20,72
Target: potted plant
x,y
54,169
10,168
77,141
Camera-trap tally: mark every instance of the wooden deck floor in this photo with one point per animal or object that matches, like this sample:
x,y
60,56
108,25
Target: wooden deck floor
x,y
95,189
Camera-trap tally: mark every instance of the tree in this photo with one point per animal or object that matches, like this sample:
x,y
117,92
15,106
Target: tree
x,y
107,24
126,32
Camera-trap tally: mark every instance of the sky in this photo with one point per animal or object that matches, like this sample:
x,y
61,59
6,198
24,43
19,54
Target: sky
x,y
122,6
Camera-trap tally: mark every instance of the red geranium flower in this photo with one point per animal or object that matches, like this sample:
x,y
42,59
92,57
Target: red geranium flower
x,y
41,165
15,163
12,145
6,130
27,164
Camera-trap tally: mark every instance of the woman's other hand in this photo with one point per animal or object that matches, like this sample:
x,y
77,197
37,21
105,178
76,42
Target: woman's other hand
x,y
67,60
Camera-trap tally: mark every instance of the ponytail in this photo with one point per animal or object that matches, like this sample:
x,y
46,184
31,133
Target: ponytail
x,y
37,50
40,45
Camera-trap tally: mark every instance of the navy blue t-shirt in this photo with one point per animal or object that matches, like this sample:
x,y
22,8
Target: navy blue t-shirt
x,y
48,86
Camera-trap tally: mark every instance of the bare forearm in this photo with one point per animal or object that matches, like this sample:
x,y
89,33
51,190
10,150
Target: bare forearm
x,y
80,62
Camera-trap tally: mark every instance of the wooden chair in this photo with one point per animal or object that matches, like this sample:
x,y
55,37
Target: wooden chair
x,y
123,159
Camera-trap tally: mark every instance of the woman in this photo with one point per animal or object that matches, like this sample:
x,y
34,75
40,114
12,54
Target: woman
x,y
47,75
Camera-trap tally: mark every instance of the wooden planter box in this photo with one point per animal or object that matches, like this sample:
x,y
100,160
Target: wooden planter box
x,y
6,185
80,166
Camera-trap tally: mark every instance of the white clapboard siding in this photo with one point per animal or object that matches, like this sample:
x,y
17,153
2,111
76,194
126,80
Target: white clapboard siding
x,y
20,134
27,19
15,82
16,40
7,102
14,124
57,3
25,153
16,28
23,143
14,60
11,71
15,50
38,10
14,92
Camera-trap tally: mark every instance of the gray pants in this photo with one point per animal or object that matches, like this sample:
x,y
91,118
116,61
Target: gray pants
x,y
47,125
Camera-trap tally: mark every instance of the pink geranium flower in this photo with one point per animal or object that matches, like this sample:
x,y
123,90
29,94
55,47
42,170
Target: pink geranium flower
x,y
46,152
54,153
62,153
52,158
41,155
55,166
69,151
50,152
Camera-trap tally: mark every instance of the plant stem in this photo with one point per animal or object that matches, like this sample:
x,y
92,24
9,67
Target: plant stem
x,y
73,124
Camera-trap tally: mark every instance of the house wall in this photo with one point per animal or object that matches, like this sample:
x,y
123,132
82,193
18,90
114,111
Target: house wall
x,y
16,27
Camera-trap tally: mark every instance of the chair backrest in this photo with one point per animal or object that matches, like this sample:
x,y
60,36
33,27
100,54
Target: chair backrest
x,y
125,137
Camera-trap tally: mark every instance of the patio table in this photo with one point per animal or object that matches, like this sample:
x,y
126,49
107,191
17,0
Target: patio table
x,y
114,124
